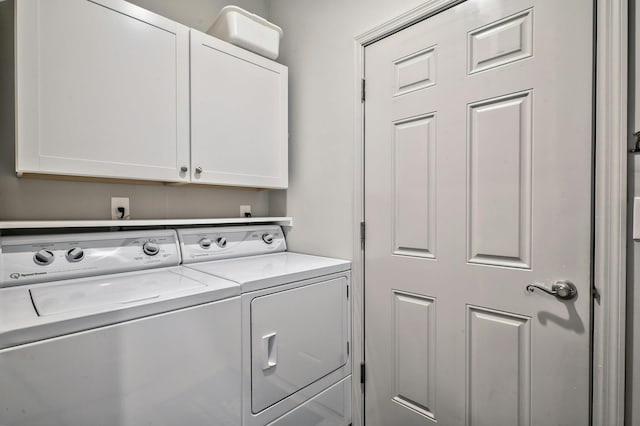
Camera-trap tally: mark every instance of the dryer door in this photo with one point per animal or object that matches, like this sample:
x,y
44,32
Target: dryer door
x,y
297,337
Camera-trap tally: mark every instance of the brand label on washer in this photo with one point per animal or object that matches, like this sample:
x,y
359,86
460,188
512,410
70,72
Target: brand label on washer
x,y
17,275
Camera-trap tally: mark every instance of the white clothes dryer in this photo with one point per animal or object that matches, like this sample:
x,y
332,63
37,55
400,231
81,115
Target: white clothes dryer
x,y
107,329
296,323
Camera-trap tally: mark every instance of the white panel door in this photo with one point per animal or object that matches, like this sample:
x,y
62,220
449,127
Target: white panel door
x,y
102,91
478,168
238,116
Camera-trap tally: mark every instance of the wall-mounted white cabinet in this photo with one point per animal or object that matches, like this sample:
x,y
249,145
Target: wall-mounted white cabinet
x,y
107,89
102,90
239,117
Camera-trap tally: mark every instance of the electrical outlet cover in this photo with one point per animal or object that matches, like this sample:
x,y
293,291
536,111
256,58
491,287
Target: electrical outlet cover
x,y
244,210
120,202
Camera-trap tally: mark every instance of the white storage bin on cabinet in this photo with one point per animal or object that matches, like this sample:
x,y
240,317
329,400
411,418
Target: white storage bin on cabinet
x,y
248,31
238,116
102,90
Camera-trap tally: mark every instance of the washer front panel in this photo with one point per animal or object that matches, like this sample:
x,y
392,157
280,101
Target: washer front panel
x,y
176,368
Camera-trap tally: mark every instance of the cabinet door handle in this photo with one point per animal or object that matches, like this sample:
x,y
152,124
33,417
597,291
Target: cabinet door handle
x,y
198,170
184,169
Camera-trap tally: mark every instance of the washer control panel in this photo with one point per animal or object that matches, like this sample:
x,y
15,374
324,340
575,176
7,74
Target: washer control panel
x,y
204,244
33,259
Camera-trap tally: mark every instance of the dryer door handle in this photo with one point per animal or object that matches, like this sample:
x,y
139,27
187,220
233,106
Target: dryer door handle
x,y
269,351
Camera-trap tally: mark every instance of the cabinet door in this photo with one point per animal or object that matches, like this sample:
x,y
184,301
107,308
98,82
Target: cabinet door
x,y
102,90
238,116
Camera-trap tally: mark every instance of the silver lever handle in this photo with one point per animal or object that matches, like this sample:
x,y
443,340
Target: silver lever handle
x,y
562,289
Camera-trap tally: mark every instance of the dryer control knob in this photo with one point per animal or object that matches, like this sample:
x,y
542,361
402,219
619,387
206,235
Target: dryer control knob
x,y
221,242
43,257
150,248
75,254
205,243
267,238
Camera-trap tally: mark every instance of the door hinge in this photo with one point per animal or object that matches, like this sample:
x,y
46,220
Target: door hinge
x,y
362,234
362,92
636,147
362,370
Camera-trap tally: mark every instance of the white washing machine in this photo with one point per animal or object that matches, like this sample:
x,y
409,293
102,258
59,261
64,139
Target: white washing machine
x,y
296,327
107,329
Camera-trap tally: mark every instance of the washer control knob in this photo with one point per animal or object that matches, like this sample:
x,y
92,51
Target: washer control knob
x,y
221,242
75,254
267,238
43,257
150,248
205,243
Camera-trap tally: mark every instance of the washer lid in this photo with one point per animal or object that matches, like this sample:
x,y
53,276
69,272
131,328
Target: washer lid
x,y
258,272
109,291
40,311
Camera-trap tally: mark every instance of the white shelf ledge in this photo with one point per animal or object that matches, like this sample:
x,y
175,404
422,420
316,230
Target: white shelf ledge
x,y
50,224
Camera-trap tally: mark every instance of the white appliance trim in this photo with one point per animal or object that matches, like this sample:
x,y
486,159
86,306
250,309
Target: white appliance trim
x,y
610,204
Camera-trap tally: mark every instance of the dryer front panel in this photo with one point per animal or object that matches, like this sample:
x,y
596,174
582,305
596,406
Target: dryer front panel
x,y
298,336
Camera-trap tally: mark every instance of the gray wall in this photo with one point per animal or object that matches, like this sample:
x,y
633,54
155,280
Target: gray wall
x,y
318,47
39,199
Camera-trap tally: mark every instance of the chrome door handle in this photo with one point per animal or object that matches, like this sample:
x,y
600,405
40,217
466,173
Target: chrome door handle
x,y
562,289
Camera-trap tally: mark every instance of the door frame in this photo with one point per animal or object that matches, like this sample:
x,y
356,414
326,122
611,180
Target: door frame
x,y
609,203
